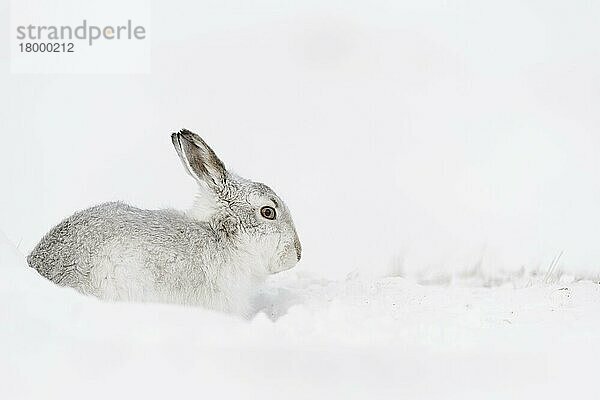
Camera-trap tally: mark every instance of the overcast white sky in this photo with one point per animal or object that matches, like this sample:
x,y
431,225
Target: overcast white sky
x,y
437,133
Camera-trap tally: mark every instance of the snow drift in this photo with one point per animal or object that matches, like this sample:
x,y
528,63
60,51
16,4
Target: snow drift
x,y
352,338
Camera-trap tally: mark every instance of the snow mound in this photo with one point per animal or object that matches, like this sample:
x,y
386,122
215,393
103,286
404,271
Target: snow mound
x,y
310,338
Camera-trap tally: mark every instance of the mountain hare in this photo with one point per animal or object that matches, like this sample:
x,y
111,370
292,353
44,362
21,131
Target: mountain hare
x,y
214,255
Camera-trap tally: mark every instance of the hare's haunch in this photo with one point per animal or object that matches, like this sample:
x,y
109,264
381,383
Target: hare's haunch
x,y
214,255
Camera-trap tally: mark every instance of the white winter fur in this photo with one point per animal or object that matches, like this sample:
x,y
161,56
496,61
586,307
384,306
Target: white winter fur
x,y
120,276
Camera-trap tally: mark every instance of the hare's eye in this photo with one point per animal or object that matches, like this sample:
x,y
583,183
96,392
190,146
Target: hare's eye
x,y
267,212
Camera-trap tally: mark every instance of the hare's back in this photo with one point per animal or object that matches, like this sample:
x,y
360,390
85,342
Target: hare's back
x,y
112,238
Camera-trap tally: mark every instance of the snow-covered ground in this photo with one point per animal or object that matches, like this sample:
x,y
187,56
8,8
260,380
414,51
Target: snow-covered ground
x,y
355,338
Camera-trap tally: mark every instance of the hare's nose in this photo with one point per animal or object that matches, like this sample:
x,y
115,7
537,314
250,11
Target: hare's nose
x,y
298,248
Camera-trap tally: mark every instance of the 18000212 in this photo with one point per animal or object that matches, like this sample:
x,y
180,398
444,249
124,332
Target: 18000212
x,y
46,47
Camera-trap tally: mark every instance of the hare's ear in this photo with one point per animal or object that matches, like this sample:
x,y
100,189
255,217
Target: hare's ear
x,y
199,159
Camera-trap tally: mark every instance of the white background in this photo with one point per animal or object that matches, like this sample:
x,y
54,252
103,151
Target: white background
x,y
430,135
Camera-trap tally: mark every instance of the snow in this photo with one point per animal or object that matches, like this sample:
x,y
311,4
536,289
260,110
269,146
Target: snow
x,y
310,338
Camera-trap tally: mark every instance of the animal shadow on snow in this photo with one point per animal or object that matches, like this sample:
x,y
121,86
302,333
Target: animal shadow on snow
x,y
275,302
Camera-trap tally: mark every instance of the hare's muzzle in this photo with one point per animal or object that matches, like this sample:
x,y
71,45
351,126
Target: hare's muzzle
x,y
298,248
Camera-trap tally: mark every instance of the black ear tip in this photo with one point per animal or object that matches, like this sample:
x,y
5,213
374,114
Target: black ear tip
x,y
191,138
184,134
175,138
